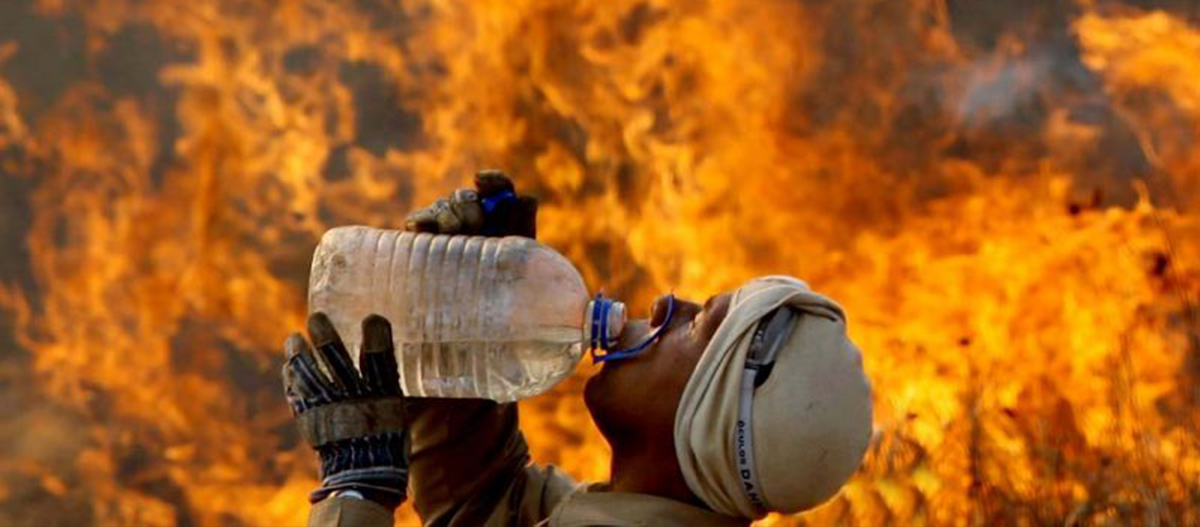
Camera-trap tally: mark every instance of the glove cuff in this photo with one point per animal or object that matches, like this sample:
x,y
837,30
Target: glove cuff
x,y
376,466
385,486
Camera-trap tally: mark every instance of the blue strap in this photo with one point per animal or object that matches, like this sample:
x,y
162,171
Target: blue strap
x,y
495,200
595,342
604,308
600,342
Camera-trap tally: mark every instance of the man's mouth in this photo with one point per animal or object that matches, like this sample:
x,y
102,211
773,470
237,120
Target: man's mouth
x,y
635,331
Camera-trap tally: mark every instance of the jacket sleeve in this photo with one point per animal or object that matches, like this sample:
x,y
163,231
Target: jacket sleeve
x,y
470,466
349,512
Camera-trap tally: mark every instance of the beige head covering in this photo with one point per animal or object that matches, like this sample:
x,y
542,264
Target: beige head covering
x,y
809,422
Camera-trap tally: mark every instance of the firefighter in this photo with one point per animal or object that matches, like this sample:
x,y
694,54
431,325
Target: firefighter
x,y
751,403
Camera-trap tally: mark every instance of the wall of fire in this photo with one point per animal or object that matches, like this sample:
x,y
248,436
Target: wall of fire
x,y
1004,195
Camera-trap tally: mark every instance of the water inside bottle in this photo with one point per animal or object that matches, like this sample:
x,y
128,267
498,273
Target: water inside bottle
x,y
486,369
499,318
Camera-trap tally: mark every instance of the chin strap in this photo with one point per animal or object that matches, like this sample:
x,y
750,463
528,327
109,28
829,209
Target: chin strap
x,y
771,333
601,344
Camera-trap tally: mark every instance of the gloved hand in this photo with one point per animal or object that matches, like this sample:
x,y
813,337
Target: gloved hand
x,y
492,209
356,423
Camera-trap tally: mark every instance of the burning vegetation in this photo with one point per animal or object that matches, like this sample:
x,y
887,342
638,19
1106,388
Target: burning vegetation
x,y
1005,196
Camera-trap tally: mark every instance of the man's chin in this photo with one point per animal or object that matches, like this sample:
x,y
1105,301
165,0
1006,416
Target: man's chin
x,y
597,391
602,404
591,390
604,374
594,382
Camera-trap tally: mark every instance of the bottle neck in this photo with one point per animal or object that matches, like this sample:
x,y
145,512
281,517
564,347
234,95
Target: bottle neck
x,y
604,320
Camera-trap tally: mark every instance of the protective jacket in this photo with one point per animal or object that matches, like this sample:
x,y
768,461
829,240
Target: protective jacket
x,y
470,467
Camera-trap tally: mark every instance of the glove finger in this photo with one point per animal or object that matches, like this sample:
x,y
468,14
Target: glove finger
x,y
290,381
465,204
303,383
333,355
447,221
424,220
491,182
378,359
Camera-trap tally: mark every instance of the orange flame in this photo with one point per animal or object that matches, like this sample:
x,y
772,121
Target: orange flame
x,y
1005,202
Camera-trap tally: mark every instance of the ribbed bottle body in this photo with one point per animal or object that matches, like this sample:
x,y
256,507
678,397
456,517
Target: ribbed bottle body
x,y
496,318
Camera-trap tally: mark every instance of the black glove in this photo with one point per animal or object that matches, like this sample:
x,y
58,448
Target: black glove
x,y
492,209
357,424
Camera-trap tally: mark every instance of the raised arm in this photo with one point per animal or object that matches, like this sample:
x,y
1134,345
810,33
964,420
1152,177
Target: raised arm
x,y
470,463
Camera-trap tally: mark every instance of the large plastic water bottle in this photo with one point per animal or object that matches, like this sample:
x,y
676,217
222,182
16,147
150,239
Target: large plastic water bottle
x,y
497,318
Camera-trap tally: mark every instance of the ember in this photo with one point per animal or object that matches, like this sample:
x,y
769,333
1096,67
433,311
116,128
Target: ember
x,y
1005,199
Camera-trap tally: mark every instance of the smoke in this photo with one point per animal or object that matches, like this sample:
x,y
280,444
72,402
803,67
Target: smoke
x,y
995,92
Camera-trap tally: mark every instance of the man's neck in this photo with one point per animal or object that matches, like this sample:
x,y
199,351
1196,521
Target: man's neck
x,y
648,470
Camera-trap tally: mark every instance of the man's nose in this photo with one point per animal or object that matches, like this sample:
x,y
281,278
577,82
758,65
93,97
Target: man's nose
x,y
685,311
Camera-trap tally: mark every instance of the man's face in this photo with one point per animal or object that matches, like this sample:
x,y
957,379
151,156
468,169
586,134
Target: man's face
x,y
636,398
